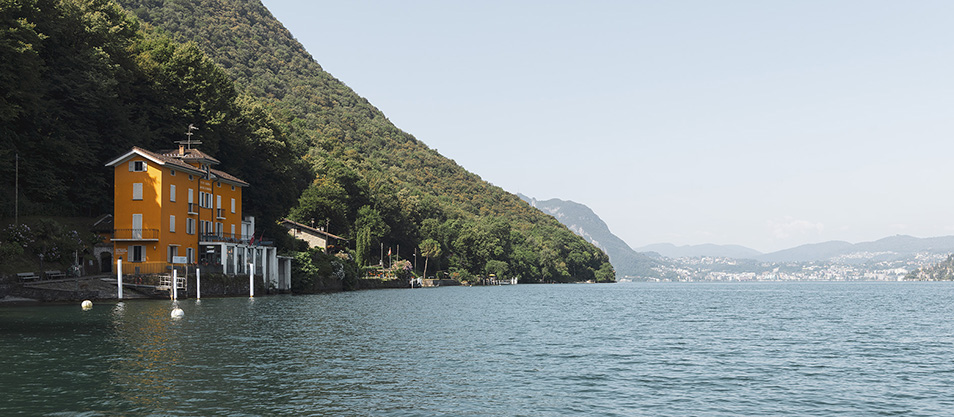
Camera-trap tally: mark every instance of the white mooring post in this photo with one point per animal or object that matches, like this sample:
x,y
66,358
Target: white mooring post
x,y
175,285
198,284
119,278
251,280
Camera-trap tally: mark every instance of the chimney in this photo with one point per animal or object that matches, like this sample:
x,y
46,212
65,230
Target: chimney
x,y
181,149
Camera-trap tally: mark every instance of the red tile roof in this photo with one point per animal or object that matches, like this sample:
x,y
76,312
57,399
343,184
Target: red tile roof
x,y
173,159
191,154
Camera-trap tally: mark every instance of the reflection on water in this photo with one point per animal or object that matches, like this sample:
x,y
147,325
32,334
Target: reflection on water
x,y
145,375
653,349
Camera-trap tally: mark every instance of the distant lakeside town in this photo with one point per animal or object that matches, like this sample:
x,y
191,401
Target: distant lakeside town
x,y
857,266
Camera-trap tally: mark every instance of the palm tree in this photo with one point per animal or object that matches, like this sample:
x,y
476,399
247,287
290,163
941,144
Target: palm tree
x,y
429,248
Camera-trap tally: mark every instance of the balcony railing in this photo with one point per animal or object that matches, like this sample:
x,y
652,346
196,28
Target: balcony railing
x,y
135,234
224,237
220,213
193,208
235,238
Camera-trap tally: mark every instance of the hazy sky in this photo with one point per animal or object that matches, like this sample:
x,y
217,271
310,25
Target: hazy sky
x,y
767,124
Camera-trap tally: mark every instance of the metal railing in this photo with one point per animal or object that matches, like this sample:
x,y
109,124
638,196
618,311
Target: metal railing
x,y
135,234
225,237
150,268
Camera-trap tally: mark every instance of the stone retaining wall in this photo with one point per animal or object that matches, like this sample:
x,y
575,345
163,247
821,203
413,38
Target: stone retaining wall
x,y
441,283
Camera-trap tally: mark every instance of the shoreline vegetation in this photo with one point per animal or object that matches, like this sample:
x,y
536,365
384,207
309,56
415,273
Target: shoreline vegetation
x,y
44,259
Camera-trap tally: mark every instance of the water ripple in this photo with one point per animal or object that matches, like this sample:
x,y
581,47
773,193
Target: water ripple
x,y
814,349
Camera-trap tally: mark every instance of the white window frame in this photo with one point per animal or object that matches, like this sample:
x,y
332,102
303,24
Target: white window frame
x,y
172,223
137,166
172,193
137,256
190,226
137,226
205,199
233,206
137,191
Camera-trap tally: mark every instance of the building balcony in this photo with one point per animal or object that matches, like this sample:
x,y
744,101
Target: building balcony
x,y
193,208
225,237
235,238
220,214
135,235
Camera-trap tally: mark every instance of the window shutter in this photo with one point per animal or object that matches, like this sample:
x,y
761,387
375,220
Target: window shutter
x,y
137,191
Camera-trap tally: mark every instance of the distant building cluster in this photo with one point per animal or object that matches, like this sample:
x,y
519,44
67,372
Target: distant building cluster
x,y
854,267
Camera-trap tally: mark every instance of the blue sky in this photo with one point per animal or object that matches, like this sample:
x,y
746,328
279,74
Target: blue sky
x,y
764,124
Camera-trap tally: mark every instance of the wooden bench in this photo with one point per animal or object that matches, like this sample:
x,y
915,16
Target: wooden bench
x,y
27,276
54,274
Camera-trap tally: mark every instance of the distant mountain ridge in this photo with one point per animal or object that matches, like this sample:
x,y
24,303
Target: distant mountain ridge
x,y
691,251
581,220
648,261
884,249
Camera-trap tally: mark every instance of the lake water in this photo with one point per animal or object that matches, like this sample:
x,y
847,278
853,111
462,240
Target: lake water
x,y
679,349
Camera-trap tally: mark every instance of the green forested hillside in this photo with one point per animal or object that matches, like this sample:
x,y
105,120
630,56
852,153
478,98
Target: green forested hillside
x,y
311,148
943,271
80,82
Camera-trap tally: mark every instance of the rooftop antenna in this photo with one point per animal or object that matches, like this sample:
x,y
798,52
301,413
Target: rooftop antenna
x,y
188,142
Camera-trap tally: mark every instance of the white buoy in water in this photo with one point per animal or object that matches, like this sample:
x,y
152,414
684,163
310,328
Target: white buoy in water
x,y
177,313
87,304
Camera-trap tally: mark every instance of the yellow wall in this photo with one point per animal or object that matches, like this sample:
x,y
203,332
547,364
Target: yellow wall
x,y
225,189
180,209
157,206
124,206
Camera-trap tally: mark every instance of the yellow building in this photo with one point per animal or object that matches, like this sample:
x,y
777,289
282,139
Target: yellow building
x,y
173,206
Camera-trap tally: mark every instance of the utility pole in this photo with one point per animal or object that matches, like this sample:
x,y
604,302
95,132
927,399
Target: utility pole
x,y
16,198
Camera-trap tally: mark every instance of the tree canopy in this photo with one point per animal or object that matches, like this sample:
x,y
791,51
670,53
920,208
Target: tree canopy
x,y
88,77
